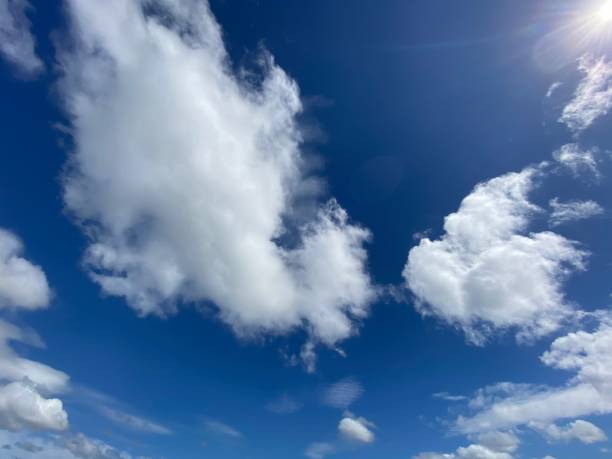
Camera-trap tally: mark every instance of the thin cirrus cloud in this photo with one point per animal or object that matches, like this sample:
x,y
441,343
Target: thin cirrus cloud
x,y
17,44
578,160
186,202
319,450
566,212
593,96
225,430
487,272
343,393
284,405
23,285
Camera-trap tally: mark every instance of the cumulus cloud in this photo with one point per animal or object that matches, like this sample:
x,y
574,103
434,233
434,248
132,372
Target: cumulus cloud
x,y
22,407
583,431
356,429
486,272
343,393
493,445
22,284
565,212
578,160
16,40
319,450
586,353
196,197
593,97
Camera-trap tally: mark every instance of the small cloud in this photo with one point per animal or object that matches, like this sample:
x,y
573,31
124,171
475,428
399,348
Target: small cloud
x,y
357,429
565,212
343,393
319,450
448,397
284,405
134,422
220,428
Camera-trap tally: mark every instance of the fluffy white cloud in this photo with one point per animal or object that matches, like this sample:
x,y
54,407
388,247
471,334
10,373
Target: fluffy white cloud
x,y
22,284
581,430
593,97
16,40
578,160
343,393
319,450
587,353
486,272
22,407
356,429
197,195
564,212
493,445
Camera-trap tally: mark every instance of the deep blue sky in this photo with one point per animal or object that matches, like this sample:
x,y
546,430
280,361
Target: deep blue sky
x,y
414,104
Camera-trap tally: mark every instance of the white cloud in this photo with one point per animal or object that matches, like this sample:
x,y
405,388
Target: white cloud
x,y
78,446
356,429
343,393
22,284
319,450
16,40
593,97
15,368
284,405
220,428
84,447
493,445
578,160
486,272
581,430
134,422
565,212
448,397
188,199
588,354
22,407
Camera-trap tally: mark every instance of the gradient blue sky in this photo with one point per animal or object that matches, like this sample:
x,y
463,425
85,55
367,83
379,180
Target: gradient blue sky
x,y
407,106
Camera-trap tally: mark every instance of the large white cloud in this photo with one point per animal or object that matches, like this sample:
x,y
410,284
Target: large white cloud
x,y
16,40
486,272
588,392
187,177
22,284
22,407
593,97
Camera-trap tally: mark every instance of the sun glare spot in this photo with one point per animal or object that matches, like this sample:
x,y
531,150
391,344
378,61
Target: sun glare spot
x,y
605,12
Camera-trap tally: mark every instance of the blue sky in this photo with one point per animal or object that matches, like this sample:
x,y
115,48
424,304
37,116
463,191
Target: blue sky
x,y
326,229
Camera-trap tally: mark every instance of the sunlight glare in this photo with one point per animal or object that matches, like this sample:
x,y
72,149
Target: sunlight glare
x,y
605,12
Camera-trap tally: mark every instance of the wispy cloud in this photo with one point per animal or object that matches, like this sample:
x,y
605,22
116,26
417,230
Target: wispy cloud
x,y
284,405
16,40
220,428
448,397
566,212
343,393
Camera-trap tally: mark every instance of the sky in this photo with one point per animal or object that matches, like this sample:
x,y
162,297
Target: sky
x,y
268,230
